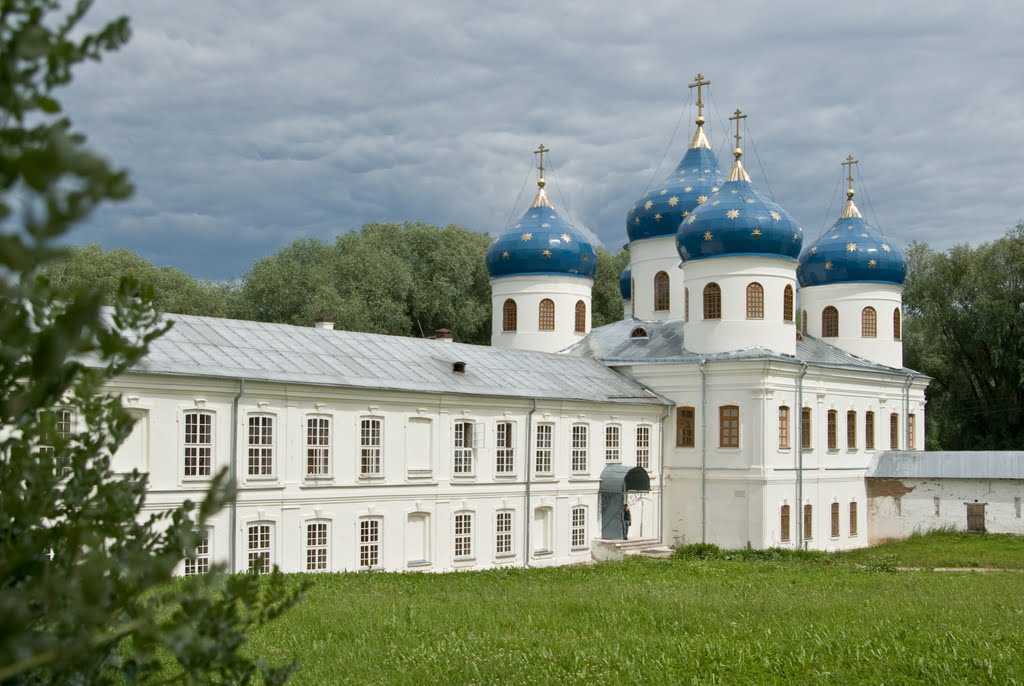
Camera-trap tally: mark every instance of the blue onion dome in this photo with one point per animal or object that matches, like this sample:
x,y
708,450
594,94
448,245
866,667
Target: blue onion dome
x,y
541,242
626,283
696,179
851,251
739,221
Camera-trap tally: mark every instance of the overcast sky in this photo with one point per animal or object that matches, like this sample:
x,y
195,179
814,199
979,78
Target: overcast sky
x,y
249,123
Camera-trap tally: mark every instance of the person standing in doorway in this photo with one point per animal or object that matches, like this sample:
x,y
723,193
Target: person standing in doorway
x,y
627,519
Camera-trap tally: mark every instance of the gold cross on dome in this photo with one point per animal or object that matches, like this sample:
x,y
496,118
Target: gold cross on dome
x,y
540,151
849,172
699,84
736,118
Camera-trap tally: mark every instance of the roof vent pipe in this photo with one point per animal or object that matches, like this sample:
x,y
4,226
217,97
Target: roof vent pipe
x,y
443,335
459,367
325,323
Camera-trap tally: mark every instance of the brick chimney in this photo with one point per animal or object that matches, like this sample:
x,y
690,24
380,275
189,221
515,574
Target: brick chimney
x,y
443,335
326,323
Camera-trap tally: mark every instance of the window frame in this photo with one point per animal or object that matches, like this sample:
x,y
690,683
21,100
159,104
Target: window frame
x,y
370,453
712,301
462,536
369,542
868,322
613,443
544,454
581,317
808,522
830,322
834,519
662,292
728,427
784,442
911,428
894,431
509,316
755,300
787,304
580,448
264,534
546,315
643,446
463,452
832,430
806,426
504,533
784,523
578,528
686,304
318,452
853,519
317,553
202,555
504,448
199,475
851,429
897,325
261,457
686,426
869,430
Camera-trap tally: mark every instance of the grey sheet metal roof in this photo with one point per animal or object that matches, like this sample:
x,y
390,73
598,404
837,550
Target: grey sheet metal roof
x,y
206,346
616,478
947,464
613,345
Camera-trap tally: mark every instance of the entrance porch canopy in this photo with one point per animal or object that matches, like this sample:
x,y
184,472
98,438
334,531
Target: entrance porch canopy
x,y
618,478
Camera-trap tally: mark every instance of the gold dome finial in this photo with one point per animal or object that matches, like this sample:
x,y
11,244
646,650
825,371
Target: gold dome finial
x,y
541,199
849,210
699,139
738,173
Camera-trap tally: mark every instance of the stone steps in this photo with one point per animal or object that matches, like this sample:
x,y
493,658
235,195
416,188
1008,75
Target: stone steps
x,y
616,549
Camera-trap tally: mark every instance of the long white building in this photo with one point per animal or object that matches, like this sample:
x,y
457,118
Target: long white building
x,y
707,408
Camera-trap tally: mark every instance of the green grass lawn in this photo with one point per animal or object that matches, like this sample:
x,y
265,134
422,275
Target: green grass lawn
x,y
810,620
949,549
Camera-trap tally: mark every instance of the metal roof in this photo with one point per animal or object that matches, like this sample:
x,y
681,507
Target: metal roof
x,y
616,478
948,464
229,348
613,344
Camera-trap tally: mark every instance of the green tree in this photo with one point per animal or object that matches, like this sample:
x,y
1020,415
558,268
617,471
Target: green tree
x,y
86,589
965,328
607,299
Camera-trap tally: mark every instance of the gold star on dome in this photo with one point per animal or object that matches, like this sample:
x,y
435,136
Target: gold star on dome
x,y
835,236
886,248
756,233
701,199
663,192
505,255
714,189
694,169
734,191
850,227
749,201
645,196
566,237
686,213
717,202
707,235
688,189
872,263
864,235
828,266
657,217
545,226
851,247
814,249
692,218
637,220
732,214
796,237
546,253
552,216
526,236
707,171
648,205
776,216
673,201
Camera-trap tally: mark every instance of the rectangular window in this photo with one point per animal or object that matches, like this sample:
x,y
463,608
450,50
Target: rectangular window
x,y
783,427
463,449
729,426
370,447
685,422
545,433
869,430
578,527
805,428
808,522
784,524
835,520
198,444
833,419
894,431
612,443
911,421
851,430
261,445
199,561
936,502
62,428
316,546
503,533
643,447
580,443
853,519
463,535
369,542
504,455
259,548
318,446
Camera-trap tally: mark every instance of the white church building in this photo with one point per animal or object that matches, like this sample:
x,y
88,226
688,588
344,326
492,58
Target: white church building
x,y
706,408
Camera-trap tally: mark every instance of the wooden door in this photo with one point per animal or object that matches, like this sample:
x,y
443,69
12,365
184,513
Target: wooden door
x,y
976,517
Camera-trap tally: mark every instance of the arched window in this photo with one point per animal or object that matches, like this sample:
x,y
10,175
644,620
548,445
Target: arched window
x,y
803,320
755,301
829,322
808,522
547,315
509,315
581,317
661,296
787,304
868,323
686,304
784,523
896,333
712,301
638,332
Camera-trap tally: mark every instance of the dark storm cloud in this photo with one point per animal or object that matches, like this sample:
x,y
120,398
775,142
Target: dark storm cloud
x,y
249,124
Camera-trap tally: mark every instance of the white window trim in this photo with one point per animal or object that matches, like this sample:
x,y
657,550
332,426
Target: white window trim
x,y
428,550
330,457
360,474
471,556
379,542
650,441
272,550
465,452
304,560
274,436
185,411
609,451
208,555
585,545
585,449
511,554
511,472
550,450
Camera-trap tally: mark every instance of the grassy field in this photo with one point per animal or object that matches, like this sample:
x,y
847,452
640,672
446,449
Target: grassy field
x,y
949,549
807,619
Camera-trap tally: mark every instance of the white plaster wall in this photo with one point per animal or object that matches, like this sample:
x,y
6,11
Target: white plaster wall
x,y
734,331
417,473
851,299
899,507
528,291
627,309
648,257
